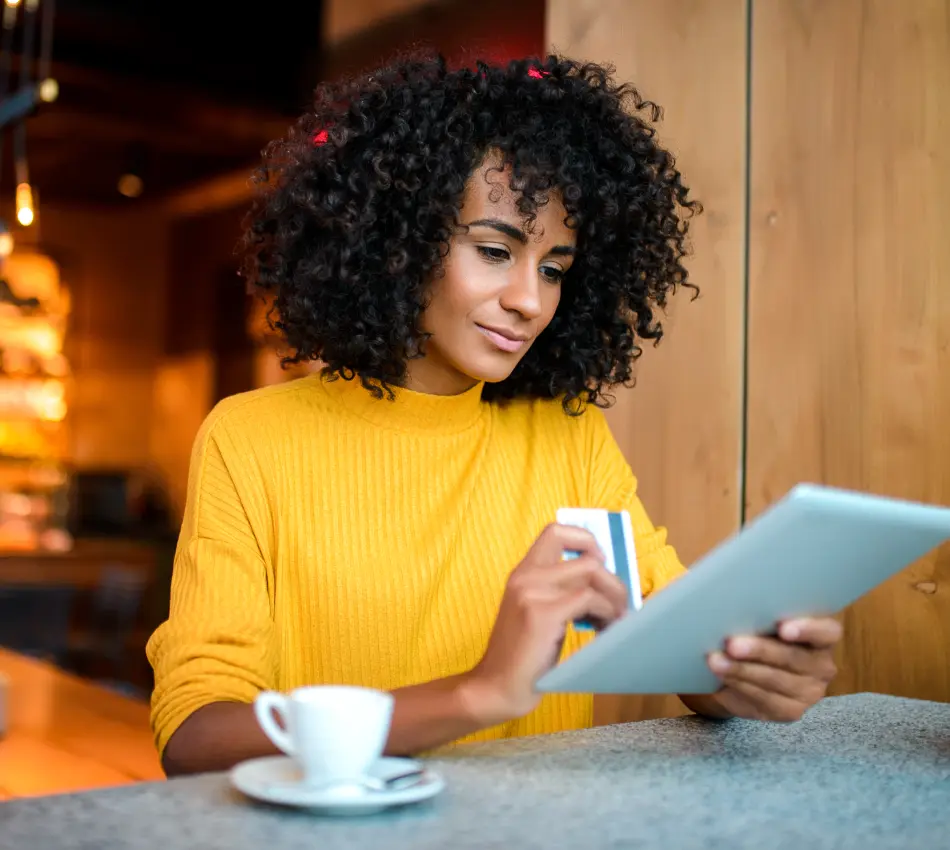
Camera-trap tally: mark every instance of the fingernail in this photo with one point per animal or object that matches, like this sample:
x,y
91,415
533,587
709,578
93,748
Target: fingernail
x,y
740,647
719,662
791,631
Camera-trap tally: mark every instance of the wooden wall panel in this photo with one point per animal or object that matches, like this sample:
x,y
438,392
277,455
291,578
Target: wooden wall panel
x,y
849,313
680,425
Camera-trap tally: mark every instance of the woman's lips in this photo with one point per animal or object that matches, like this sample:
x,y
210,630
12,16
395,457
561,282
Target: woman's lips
x,y
505,343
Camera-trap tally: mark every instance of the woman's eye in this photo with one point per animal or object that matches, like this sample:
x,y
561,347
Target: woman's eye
x,y
552,273
493,254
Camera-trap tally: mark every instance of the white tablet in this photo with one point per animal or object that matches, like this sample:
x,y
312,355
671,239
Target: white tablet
x,y
814,552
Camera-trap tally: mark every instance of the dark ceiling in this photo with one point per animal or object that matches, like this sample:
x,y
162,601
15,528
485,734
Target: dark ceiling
x,y
190,90
196,90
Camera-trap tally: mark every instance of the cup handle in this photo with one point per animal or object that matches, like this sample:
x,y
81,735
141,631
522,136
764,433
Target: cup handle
x,y
265,706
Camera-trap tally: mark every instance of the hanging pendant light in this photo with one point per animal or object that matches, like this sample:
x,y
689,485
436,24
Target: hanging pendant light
x,y
24,204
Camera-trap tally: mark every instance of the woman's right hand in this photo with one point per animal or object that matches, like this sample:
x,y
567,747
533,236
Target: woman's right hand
x,y
543,595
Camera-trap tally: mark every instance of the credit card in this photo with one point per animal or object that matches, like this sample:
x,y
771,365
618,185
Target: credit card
x,y
614,535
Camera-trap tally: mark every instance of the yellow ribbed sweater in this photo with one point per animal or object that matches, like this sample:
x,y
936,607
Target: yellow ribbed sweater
x,y
331,537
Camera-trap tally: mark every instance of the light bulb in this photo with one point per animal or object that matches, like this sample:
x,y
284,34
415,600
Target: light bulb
x,y
49,90
131,185
24,204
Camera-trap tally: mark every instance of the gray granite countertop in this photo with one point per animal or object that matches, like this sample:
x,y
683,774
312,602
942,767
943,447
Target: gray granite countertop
x,y
858,772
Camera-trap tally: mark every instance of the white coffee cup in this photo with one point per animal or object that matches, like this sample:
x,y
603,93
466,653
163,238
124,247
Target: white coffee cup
x,y
334,732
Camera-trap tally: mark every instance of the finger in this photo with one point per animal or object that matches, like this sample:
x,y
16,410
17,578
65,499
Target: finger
x,y
817,632
555,540
772,679
611,588
588,572
737,704
775,653
586,604
574,574
765,705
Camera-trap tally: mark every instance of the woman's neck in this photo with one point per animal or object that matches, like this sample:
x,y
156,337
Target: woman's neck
x,y
426,376
410,409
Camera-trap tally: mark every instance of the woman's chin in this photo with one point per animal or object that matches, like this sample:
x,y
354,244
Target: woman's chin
x,y
493,372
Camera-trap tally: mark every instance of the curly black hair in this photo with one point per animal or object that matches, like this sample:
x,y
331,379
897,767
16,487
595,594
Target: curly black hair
x,y
356,207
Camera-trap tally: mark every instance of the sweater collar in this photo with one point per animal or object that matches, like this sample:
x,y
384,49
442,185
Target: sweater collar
x,y
410,410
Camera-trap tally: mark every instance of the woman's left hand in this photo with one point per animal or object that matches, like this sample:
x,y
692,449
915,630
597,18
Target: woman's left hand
x,y
777,678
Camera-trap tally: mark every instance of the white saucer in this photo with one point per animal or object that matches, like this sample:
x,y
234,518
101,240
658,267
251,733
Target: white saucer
x,y
277,779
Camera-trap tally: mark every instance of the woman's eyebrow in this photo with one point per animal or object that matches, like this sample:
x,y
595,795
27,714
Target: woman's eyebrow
x,y
518,234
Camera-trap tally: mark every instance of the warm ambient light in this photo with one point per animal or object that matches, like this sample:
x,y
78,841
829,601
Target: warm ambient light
x,y
13,3
49,90
51,402
42,339
24,204
131,185
36,336
42,399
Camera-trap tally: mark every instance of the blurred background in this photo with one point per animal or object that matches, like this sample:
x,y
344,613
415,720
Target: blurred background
x,y
122,318
813,133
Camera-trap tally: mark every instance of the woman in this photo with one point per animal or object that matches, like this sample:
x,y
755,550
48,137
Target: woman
x,y
474,256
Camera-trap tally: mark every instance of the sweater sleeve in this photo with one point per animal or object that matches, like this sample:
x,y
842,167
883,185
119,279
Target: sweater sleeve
x,y
613,486
218,643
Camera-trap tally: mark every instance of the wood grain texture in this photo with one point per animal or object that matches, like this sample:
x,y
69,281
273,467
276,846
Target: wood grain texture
x,y
849,314
680,426
34,768
65,734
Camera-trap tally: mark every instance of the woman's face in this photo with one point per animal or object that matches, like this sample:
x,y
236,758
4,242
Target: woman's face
x,y
499,291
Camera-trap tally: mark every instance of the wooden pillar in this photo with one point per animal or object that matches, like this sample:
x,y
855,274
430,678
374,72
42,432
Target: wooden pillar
x,y
849,284
825,356
680,426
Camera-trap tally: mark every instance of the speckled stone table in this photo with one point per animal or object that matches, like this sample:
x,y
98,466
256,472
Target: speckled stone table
x,y
858,772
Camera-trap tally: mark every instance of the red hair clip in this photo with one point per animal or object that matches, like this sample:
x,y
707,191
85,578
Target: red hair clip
x,y
321,138
534,72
